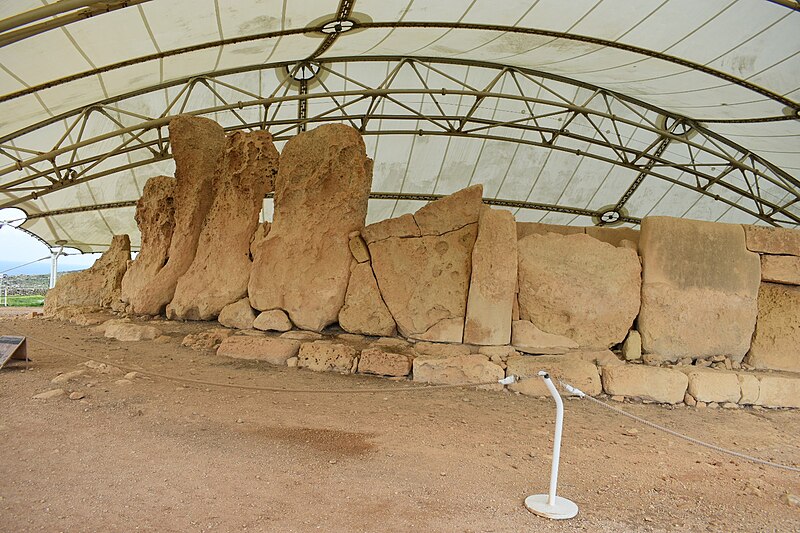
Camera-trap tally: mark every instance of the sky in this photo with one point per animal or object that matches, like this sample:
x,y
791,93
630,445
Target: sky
x,y
17,247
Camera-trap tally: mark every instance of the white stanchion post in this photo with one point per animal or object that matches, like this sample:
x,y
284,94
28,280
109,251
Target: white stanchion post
x,y
550,505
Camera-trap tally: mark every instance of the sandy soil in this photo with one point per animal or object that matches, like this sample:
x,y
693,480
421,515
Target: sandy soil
x,y
152,455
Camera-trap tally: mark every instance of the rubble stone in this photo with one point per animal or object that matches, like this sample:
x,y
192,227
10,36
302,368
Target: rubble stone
x,y
219,273
493,282
700,285
272,320
632,347
567,284
323,356
272,350
662,385
321,194
126,331
238,315
776,343
210,338
358,248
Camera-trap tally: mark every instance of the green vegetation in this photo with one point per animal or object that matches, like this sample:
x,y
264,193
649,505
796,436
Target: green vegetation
x,y
34,300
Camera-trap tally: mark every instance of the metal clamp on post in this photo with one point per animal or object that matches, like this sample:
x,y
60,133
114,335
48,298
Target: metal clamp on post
x,y
549,505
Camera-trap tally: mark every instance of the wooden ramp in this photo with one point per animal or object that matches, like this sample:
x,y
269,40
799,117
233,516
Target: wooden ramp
x,y
13,347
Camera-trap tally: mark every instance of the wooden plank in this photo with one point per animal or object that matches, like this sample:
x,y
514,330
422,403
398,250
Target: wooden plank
x,y
13,347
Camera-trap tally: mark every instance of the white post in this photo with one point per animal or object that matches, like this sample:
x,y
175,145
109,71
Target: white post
x,y
549,505
54,265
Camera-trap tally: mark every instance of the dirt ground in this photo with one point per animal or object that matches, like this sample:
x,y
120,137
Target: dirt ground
x,y
153,455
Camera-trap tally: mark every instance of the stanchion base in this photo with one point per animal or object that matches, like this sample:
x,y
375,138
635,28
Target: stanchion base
x,y
562,510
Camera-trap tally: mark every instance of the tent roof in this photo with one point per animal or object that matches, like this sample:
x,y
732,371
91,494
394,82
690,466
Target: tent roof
x,y
590,112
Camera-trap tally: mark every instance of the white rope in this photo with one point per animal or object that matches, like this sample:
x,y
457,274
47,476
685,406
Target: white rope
x,y
674,433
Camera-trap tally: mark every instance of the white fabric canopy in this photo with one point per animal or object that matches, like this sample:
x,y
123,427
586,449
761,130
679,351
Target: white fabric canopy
x,y
566,111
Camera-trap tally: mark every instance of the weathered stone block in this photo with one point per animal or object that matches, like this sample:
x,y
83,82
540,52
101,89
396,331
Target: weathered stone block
x,y
708,385
780,269
767,240
614,236
197,146
699,288
662,385
272,320
578,373
441,350
596,357
776,343
219,273
238,315
364,311
321,195
527,338
323,356
493,283
126,331
632,347
272,350
210,338
382,362
779,390
450,212
566,284
94,288
462,369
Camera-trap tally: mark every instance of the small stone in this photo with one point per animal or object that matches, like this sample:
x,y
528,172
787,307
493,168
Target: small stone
x,y
77,396
67,376
713,405
163,339
273,320
702,363
730,405
292,362
239,421
131,375
790,499
54,393
701,405
632,347
632,432
123,382
718,359
689,400
617,398
686,361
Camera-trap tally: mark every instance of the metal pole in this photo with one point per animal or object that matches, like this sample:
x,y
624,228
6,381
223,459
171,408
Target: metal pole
x,y
54,265
549,505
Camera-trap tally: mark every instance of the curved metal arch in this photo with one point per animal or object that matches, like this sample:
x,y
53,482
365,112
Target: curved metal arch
x,y
650,162
411,24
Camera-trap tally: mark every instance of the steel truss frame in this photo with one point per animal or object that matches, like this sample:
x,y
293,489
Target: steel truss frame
x,y
718,168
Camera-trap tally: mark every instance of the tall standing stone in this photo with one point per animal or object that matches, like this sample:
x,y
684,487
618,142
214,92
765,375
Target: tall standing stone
x,y
197,145
96,287
493,282
321,195
699,289
155,216
578,287
220,271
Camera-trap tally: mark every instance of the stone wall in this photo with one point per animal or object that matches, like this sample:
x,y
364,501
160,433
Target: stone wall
x,y
681,311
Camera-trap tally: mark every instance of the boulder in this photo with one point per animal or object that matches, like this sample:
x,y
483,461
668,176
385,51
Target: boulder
x,y
323,356
780,269
272,350
425,280
441,350
767,240
321,194
567,284
779,390
776,343
699,289
527,338
462,369
663,385
238,315
358,248
128,331
210,338
402,226
537,228
94,288
383,362
493,282
709,385
364,311
578,373
155,217
632,347
197,146
273,320
220,271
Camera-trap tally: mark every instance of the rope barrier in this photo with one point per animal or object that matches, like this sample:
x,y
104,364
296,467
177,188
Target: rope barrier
x,y
674,433
23,265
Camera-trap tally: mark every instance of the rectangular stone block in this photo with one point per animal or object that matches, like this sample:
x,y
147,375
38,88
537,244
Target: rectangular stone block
x,y
779,390
663,385
767,240
711,385
699,289
750,388
578,373
780,269
462,369
324,356
261,348
776,343
384,363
